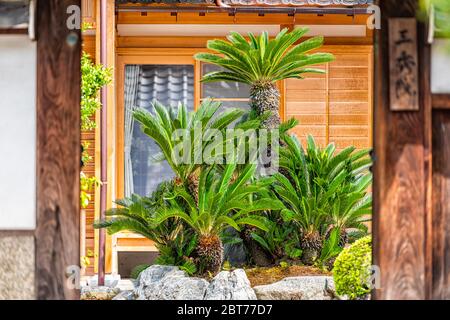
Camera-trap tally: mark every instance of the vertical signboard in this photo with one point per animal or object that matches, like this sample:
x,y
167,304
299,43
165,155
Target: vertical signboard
x,y
403,64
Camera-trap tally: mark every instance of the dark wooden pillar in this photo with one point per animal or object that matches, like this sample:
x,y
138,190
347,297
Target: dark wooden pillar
x,y
441,197
58,149
402,174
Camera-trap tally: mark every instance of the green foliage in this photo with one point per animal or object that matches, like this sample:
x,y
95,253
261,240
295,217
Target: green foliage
x,y
85,157
323,189
351,271
137,214
224,200
325,195
280,240
441,11
331,247
93,78
263,60
87,184
163,125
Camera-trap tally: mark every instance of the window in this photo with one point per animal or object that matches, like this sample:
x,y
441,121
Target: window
x,y
231,94
169,84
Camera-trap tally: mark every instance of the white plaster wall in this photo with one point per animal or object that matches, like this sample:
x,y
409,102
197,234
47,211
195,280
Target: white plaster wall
x,y
440,66
17,133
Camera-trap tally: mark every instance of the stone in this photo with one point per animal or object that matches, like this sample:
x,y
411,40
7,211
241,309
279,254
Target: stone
x,y
17,267
232,285
125,295
169,283
98,293
297,288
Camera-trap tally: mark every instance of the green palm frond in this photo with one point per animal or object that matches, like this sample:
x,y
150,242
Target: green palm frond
x,y
162,126
260,59
225,199
322,189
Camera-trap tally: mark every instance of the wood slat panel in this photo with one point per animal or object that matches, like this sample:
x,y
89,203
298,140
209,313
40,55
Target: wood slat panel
x,y
309,119
309,83
350,60
349,107
339,101
349,84
349,119
314,130
305,107
348,72
299,95
349,131
341,143
349,96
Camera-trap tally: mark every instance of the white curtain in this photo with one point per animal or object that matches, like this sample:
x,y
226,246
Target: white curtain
x,y
132,74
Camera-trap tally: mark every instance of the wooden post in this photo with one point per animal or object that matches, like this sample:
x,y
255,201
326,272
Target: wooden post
x,y
402,174
58,149
441,196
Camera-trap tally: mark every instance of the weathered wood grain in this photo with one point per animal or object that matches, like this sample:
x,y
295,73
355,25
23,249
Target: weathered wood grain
x,y
441,205
400,177
58,149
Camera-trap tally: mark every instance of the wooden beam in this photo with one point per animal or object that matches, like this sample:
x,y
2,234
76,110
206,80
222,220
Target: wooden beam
x,y
401,175
200,42
58,149
441,101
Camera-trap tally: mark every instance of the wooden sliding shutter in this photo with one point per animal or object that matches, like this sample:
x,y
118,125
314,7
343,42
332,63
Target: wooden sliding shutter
x,y
336,106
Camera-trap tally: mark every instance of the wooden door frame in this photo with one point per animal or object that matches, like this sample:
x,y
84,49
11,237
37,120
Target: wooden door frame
x,y
142,57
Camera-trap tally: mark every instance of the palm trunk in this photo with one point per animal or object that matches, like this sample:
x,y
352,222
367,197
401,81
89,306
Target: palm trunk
x,y
265,97
311,245
209,254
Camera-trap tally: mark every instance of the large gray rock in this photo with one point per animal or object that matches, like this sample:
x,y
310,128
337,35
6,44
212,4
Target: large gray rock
x,y
297,288
230,286
169,283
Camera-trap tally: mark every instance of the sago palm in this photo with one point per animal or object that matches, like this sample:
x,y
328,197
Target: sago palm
x,y
165,126
261,62
224,200
172,238
322,190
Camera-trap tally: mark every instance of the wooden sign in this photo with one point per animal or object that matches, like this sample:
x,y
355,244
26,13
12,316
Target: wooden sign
x,y
403,64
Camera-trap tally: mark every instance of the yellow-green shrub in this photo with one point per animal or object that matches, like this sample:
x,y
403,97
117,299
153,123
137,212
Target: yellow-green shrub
x,y
352,271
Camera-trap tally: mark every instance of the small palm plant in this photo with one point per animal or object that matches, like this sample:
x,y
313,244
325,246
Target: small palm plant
x,y
323,191
261,62
224,200
165,126
172,238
